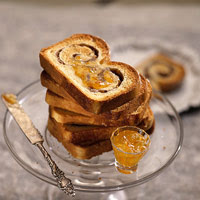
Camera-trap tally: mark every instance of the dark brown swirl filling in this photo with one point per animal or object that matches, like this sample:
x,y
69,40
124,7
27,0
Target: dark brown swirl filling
x,y
77,53
95,77
157,68
96,52
58,56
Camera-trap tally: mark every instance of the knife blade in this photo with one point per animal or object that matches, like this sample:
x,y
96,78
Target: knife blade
x,y
22,119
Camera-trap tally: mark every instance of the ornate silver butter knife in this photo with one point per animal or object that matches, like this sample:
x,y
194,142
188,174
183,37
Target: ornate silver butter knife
x,y
36,139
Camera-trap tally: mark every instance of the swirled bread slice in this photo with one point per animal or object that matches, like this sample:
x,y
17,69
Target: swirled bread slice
x,y
83,134
84,142
164,73
134,109
87,134
60,98
53,86
79,134
81,65
82,150
68,117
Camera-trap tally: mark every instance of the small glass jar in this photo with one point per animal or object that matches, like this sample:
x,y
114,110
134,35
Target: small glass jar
x,y
129,144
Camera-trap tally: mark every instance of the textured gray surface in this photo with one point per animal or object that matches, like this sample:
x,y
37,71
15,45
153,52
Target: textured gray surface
x,y
25,28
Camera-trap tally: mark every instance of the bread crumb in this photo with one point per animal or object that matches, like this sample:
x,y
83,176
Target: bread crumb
x,y
164,147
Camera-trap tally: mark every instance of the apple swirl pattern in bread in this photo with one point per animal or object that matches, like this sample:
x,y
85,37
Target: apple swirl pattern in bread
x,y
81,64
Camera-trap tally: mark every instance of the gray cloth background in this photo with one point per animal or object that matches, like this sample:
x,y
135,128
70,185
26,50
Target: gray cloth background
x,y
25,28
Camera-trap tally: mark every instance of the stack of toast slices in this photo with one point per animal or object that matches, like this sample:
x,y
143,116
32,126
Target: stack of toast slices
x,y
89,95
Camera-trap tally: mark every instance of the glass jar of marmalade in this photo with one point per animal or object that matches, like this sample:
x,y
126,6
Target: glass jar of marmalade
x,y
129,144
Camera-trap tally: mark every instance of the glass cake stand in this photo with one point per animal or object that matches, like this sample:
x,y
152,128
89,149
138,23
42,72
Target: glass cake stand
x,y
97,174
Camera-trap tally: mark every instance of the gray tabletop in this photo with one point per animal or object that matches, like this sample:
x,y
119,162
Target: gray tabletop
x,y
25,28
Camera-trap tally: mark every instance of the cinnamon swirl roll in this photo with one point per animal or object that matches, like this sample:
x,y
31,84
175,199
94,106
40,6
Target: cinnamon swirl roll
x,y
164,73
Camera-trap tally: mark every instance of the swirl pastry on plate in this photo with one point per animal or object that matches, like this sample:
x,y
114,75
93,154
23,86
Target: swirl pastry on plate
x,y
89,96
163,73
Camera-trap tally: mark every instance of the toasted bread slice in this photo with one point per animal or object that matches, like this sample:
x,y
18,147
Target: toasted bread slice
x,y
147,119
58,101
152,128
81,150
88,151
53,86
68,117
60,98
80,134
81,65
87,134
164,73
87,148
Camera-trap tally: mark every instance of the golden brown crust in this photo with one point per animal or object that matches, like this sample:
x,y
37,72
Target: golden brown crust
x,y
147,120
56,100
83,134
79,134
100,43
87,152
143,116
80,151
79,148
110,100
164,73
76,38
68,117
53,86
137,105
59,97
152,128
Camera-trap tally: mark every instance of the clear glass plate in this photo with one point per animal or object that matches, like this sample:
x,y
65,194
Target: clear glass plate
x,y
97,174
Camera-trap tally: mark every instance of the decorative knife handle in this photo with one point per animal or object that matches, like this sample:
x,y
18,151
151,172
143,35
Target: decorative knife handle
x,y
63,183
